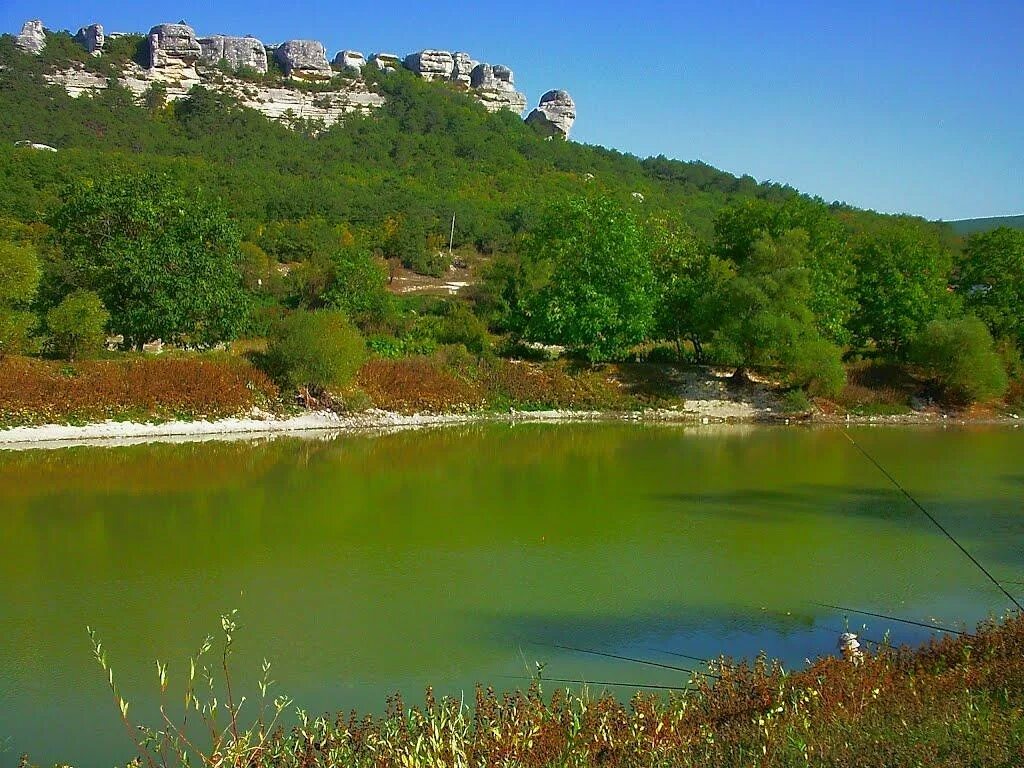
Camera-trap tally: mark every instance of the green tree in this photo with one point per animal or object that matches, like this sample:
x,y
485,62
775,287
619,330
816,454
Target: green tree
x,y
600,297
768,321
314,351
359,286
903,275
163,262
960,356
690,283
78,324
19,281
829,261
991,277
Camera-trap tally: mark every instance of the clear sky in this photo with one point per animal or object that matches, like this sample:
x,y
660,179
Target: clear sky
x,y
892,105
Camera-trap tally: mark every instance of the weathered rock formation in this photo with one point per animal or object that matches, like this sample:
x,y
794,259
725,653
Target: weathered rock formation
x,y
496,89
305,59
462,68
32,38
173,46
175,51
237,52
431,64
555,114
350,60
386,62
91,38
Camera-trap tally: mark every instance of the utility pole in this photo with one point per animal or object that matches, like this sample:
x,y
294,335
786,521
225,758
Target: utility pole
x,y
451,239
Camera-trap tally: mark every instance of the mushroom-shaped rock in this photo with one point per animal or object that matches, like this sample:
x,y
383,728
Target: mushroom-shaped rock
x,y
350,60
385,62
92,38
555,114
304,59
462,69
173,44
236,52
430,64
32,38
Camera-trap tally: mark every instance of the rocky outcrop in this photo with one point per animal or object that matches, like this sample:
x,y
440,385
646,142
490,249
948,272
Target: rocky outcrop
x,y
385,62
277,103
173,46
462,68
236,52
91,38
32,38
431,64
555,114
175,51
348,60
495,88
304,59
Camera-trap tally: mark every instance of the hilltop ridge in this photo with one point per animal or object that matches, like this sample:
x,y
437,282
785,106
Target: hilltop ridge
x,y
288,80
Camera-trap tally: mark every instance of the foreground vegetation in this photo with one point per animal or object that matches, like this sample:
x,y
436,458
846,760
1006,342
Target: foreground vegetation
x,y
953,702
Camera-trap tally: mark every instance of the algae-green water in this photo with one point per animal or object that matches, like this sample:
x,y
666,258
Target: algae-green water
x,y
361,565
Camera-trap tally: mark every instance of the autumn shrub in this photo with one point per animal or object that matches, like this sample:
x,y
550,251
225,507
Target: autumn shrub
x,y
45,391
531,386
420,383
320,350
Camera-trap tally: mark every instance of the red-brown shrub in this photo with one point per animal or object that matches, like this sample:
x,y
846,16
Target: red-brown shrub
x,y
40,391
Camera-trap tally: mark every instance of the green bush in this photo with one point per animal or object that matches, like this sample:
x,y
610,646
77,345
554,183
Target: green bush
x,y
818,366
315,350
960,356
78,325
458,325
796,401
19,280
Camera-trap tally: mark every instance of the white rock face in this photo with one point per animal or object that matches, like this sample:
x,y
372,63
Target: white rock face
x,y
173,46
305,59
462,68
386,62
350,60
92,38
495,88
238,52
555,114
32,38
282,104
431,64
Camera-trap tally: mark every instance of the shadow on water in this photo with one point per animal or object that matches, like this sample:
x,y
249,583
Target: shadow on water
x,y
991,528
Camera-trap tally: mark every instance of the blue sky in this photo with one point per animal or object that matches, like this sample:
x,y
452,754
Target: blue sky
x,y
896,106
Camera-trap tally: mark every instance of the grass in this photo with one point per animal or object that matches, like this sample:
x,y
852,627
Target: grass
x,y
953,702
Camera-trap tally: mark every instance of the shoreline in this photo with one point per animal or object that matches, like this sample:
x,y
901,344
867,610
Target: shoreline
x,y
264,424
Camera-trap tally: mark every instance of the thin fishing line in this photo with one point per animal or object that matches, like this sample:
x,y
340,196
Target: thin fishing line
x,y
635,661
931,517
680,655
599,682
895,618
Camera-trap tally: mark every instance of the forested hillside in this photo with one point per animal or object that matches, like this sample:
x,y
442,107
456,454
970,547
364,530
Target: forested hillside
x,y
200,221
971,226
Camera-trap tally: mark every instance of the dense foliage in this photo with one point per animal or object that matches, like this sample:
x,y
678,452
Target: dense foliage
x,y
200,221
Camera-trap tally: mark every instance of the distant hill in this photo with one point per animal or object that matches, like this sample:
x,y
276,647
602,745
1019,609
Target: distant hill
x,y
970,226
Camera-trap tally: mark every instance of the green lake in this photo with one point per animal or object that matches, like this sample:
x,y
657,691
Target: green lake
x,y
361,565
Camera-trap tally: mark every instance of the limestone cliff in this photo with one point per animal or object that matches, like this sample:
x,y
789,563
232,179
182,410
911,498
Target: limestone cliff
x,y
180,60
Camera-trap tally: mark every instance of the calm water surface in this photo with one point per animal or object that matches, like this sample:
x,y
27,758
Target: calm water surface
x,y
362,565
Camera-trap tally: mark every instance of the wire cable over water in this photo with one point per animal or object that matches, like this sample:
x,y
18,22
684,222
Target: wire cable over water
x,y
931,517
